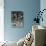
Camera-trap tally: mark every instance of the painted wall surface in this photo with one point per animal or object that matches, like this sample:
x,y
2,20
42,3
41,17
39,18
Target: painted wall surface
x,y
29,7
1,20
43,6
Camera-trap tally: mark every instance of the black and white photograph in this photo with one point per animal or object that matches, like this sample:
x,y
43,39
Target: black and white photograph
x,y
17,18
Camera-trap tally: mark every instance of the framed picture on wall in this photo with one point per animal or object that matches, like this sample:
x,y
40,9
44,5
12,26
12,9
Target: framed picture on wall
x,y
17,18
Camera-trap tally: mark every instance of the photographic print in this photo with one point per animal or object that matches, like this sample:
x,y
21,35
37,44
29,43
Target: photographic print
x,y
17,18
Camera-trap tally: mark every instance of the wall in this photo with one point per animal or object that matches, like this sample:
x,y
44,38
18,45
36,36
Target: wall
x,y
29,7
1,21
43,6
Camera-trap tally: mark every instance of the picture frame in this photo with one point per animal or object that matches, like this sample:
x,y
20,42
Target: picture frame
x,y
17,18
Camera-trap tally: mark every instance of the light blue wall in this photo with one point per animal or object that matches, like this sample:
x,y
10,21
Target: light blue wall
x,y
29,7
43,6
